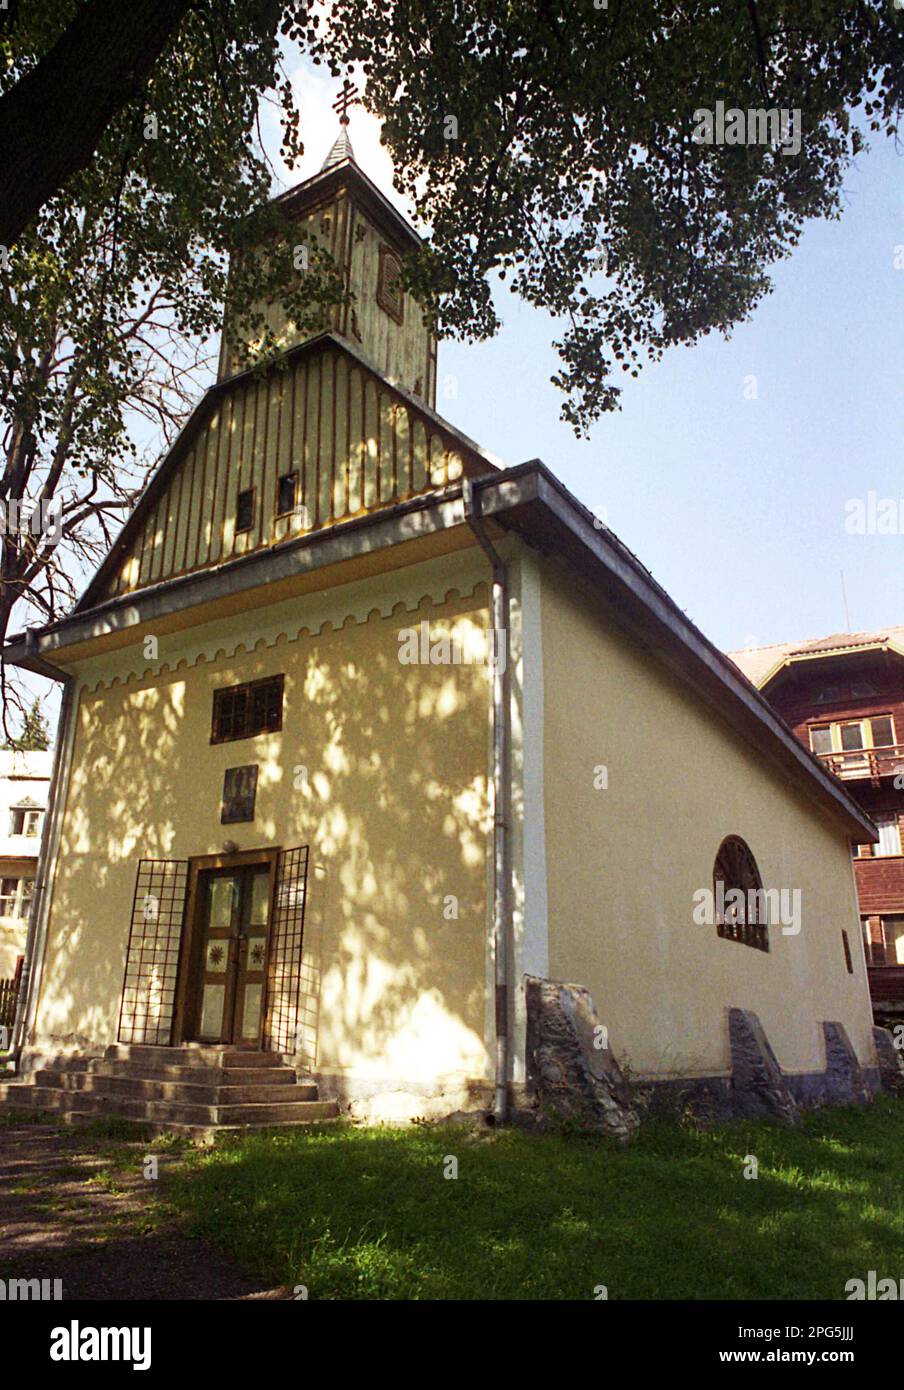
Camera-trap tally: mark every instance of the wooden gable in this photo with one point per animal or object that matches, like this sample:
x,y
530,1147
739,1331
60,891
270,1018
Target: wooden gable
x,y
353,442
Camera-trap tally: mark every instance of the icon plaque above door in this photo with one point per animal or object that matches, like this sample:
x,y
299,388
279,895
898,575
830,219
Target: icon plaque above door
x,y
239,794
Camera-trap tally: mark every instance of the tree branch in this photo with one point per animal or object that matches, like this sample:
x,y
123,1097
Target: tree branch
x,y
51,121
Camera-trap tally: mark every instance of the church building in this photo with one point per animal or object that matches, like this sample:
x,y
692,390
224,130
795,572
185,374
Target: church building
x,y
381,766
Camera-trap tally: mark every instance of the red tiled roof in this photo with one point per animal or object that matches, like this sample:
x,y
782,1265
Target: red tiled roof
x,y
839,639
757,662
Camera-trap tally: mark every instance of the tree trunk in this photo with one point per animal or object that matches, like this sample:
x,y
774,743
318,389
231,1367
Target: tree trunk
x,y
52,120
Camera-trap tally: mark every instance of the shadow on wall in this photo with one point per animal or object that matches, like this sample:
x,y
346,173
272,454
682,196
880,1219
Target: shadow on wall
x,y
381,767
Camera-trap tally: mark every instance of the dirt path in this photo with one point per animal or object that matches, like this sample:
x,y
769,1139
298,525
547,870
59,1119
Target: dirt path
x,y
72,1207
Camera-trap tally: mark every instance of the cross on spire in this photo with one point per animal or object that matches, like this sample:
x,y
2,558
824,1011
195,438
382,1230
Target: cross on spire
x,y
342,149
348,96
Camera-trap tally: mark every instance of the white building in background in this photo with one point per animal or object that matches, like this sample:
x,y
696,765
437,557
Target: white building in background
x,y
24,787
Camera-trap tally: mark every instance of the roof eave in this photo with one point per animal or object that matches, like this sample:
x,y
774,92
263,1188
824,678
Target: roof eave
x,y
827,654
527,500
324,183
639,603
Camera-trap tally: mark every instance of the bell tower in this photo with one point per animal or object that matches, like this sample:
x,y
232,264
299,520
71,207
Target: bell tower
x,y
367,238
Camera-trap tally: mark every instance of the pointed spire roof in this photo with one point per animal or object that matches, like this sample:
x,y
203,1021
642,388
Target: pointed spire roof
x,y
342,149
341,169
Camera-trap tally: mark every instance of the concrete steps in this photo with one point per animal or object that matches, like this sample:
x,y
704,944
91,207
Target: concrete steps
x,y
133,1088
203,1076
193,1091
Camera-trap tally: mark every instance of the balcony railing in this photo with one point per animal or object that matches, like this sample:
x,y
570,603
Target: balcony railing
x,y
866,762
886,987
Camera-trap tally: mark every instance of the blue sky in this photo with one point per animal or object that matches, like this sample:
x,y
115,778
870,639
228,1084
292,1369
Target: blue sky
x,y
738,505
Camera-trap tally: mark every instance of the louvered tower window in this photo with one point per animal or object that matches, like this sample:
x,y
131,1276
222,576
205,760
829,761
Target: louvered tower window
x,y
389,285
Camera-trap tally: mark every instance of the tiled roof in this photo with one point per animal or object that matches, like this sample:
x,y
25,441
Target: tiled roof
x,y
757,662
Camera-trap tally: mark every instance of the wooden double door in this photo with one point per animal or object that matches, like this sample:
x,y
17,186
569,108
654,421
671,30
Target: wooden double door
x,y
226,986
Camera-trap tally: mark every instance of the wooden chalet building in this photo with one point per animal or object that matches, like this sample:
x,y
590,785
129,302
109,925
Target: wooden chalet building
x,y
843,696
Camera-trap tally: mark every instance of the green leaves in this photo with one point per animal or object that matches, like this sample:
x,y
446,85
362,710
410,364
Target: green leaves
x,y
550,145
575,131
111,302
35,731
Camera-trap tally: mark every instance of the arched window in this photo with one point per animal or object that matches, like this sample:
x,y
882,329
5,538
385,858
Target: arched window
x,y
738,895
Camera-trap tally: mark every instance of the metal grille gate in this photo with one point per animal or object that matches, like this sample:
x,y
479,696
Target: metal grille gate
x,y
284,983
152,958
155,935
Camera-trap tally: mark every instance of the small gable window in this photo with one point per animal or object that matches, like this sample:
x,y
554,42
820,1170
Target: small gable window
x,y
286,494
24,820
389,285
738,892
244,510
241,711
845,941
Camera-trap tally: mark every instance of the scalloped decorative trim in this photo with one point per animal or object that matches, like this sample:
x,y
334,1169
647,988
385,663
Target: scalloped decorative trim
x,y
400,592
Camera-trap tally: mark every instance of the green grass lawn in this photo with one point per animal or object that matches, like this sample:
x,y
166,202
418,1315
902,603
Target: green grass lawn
x,y
352,1213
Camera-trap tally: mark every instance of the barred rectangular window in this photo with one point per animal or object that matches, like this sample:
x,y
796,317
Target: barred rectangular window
x,y
241,711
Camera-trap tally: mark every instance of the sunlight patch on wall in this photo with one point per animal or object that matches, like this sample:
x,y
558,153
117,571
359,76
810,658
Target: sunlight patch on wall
x,y
391,1029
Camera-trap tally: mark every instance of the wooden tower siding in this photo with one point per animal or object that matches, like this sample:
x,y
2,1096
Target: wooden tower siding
x,y
403,352
355,444
335,410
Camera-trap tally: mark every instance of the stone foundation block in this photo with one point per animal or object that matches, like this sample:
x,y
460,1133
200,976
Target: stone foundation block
x,y
891,1065
846,1083
569,1075
758,1086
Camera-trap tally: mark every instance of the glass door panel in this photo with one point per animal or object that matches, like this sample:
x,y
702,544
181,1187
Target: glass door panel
x,y
882,731
852,742
821,739
221,897
234,925
252,964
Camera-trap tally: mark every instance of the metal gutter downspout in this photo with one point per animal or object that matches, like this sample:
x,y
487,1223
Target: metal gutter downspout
x,y
47,854
502,795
